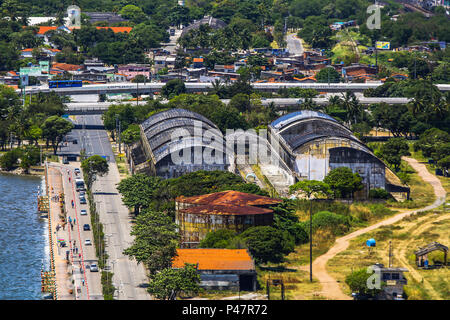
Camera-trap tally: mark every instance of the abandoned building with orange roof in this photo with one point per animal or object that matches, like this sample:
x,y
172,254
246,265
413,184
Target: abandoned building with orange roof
x,y
233,210
220,269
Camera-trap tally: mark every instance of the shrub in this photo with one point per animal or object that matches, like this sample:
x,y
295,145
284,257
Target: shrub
x,y
9,160
378,193
217,239
267,244
337,223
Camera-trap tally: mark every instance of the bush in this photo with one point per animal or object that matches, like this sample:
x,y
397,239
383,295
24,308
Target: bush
x,y
378,193
337,223
10,159
267,244
217,239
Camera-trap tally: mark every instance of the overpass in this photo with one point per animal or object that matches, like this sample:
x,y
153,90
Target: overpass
x,y
192,87
281,103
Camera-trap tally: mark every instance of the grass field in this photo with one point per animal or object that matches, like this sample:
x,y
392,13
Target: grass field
x,y
406,236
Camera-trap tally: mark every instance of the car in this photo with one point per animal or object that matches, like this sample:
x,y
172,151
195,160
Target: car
x,y
94,267
83,212
77,171
83,200
75,142
87,242
86,227
82,193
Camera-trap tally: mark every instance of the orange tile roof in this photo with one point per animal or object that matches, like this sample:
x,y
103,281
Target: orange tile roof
x,y
198,59
214,259
230,197
117,29
66,66
228,66
44,29
306,78
27,50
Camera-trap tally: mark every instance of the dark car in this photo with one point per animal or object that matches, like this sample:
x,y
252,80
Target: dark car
x,y
83,200
75,141
86,227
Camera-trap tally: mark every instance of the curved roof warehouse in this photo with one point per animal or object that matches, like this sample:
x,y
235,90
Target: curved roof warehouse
x,y
312,144
177,141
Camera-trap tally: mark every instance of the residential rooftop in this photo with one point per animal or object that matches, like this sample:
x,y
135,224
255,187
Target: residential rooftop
x,y
229,197
214,259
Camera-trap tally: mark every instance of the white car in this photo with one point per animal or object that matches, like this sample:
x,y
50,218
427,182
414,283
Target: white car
x,y
87,242
83,212
94,268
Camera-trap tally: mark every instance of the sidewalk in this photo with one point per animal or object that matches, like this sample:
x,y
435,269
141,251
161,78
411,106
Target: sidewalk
x,y
62,269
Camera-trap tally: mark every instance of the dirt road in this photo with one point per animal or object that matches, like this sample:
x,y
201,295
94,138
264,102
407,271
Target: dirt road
x,y
330,287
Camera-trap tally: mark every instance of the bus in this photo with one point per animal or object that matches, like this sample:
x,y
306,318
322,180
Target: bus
x,y
65,83
79,184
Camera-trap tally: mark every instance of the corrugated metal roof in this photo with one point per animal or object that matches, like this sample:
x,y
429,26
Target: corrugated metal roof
x,y
229,197
171,114
287,119
226,210
215,259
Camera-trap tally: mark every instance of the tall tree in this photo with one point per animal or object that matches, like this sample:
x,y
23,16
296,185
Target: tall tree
x,y
155,241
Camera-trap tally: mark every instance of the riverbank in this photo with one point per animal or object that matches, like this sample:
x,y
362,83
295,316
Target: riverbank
x,y
33,171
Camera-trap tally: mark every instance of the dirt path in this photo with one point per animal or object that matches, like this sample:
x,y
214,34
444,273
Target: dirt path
x,y
400,254
330,287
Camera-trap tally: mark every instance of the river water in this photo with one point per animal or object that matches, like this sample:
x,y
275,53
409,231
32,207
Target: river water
x,y
23,238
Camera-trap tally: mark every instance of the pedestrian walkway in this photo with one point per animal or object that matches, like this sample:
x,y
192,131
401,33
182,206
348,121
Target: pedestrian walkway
x,y
62,268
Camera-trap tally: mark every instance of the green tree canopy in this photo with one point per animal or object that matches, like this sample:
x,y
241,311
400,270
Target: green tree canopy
x,y
168,283
393,150
139,191
155,242
343,182
267,244
94,166
54,129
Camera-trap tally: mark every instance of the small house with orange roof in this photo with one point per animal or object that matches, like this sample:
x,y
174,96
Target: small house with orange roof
x,y
220,269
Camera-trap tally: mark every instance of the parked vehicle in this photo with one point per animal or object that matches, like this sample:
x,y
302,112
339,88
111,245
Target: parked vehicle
x,y
86,227
83,200
83,212
94,267
87,242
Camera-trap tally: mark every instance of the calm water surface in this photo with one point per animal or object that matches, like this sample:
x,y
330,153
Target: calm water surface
x,y
23,238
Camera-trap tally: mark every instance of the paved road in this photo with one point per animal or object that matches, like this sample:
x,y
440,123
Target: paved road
x,y
129,278
294,45
330,287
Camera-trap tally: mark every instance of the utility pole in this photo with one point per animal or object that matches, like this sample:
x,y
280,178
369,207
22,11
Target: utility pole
x,y
120,148
310,240
391,255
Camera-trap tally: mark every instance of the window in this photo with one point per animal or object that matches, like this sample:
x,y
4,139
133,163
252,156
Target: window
x,y
386,276
395,276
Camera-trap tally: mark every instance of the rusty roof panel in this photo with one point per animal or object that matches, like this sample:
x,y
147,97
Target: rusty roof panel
x,y
229,197
226,210
214,259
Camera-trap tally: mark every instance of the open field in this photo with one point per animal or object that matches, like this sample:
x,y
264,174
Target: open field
x,y
406,236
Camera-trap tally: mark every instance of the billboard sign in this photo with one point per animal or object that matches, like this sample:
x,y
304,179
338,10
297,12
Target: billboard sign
x,y
383,45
